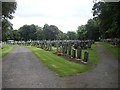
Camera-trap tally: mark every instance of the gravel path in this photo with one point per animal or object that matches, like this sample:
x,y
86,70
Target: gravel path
x,y
104,75
21,69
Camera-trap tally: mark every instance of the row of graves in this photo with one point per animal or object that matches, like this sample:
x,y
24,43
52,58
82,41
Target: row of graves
x,y
71,49
115,42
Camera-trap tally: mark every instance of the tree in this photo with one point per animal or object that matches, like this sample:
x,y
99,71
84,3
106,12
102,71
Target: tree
x,y
39,33
60,35
8,8
51,32
28,32
6,29
32,32
108,15
71,35
92,29
16,35
81,32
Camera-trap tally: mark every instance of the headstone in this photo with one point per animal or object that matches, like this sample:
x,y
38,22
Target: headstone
x,y
69,49
86,56
65,48
61,48
57,46
79,52
89,44
50,46
73,52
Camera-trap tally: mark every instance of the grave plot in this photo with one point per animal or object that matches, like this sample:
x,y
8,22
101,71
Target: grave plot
x,y
73,50
65,57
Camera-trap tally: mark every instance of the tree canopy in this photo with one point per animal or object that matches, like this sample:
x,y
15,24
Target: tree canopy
x,y
8,9
34,32
108,15
71,35
104,24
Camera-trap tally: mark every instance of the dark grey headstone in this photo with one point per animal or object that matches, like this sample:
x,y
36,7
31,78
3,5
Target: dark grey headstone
x,y
86,54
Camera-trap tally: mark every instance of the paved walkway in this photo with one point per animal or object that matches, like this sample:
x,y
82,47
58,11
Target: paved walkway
x,y
21,69
104,75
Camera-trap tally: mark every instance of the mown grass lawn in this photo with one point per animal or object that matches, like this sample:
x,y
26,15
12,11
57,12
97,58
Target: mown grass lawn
x,y
59,65
114,51
5,50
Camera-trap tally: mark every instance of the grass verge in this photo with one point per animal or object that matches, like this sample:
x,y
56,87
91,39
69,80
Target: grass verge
x,y
58,64
5,51
93,56
112,50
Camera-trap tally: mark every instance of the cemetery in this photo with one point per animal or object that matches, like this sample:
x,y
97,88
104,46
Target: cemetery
x,y
75,50
79,55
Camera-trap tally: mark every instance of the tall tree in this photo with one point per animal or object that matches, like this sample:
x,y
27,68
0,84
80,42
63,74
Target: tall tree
x,y
16,35
81,32
109,15
8,9
50,32
28,32
71,35
39,33
92,29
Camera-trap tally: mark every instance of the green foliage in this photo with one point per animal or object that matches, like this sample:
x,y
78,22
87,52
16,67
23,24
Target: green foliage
x,y
39,33
16,35
51,32
92,29
89,31
71,35
81,32
8,9
108,14
28,32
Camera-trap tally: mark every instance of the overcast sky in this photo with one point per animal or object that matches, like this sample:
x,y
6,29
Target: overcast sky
x,y
67,15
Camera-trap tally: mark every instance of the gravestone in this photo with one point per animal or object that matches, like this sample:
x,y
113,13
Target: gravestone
x,y
65,45
79,52
69,49
89,44
57,46
73,52
86,54
61,48
50,46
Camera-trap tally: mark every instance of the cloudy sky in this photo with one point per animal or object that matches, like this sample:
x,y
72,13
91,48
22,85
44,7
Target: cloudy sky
x,y
67,15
